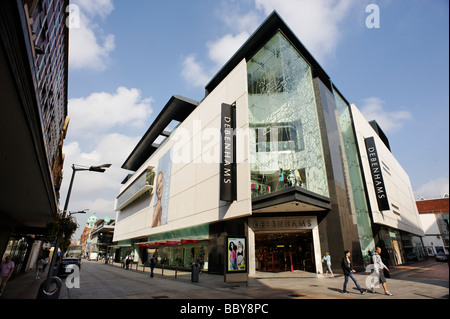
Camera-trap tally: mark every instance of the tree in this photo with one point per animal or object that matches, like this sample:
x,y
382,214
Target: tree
x,y
64,227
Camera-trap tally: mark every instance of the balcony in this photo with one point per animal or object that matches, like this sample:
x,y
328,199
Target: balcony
x,y
141,186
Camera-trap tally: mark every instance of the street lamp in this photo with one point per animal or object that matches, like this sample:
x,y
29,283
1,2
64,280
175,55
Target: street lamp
x,y
80,212
75,168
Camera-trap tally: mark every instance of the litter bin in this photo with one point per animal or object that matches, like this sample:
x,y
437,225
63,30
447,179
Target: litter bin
x,y
50,289
195,271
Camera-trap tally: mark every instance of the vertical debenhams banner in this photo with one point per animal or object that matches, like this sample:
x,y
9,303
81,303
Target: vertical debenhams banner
x,y
228,165
377,176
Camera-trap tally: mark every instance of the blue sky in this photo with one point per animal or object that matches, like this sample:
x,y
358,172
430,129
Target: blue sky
x,y
127,58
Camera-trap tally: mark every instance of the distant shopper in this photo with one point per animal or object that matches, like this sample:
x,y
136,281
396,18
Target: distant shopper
x,y
152,266
327,260
348,272
6,270
379,267
39,267
127,262
46,262
131,261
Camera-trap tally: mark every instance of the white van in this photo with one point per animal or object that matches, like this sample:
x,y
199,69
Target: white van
x,y
93,256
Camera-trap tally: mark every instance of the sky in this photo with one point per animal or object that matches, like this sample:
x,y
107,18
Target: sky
x,y
127,58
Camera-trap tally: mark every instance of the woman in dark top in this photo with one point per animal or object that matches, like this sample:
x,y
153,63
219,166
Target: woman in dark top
x,y
348,272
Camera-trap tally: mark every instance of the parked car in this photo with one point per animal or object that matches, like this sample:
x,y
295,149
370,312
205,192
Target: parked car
x,y
411,256
441,257
66,262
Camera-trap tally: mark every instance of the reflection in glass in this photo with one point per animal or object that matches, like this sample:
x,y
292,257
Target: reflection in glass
x,y
285,142
356,189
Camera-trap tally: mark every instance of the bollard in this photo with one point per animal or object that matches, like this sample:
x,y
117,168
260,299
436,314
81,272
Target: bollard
x,y
195,271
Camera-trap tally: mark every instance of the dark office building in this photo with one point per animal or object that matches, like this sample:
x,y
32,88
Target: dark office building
x,y
34,44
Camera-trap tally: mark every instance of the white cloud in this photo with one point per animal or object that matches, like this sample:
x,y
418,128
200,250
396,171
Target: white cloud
x,y
109,149
222,50
389,121
102,111
88,48
101,8
193,72
93,139
219,52
238,22
433,189
239,28
92,190
317,23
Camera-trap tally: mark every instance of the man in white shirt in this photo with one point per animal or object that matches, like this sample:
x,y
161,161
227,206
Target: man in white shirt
x,y
379,266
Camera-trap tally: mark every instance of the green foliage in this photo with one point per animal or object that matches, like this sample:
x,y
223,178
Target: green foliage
x,y
66,227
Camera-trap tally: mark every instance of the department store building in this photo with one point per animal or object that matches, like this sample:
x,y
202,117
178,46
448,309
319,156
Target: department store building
x,y
271,170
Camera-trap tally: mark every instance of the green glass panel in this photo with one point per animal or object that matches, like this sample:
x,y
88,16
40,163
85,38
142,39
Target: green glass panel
x,y
201,231
356,189
285,141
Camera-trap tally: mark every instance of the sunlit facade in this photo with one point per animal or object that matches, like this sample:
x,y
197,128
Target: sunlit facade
x,y
302,184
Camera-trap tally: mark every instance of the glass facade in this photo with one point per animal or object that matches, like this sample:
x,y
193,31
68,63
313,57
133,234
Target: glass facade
x,y
443,226
287,251
285,142
356,187
180,257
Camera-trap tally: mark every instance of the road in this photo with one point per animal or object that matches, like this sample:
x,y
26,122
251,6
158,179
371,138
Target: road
x,y
265,296
105,289
426,280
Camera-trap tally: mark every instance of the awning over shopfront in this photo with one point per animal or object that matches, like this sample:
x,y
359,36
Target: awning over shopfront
x,y
155,244
292,199
119,246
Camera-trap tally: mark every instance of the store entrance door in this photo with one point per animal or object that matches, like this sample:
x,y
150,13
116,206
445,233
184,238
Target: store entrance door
x,y
287,251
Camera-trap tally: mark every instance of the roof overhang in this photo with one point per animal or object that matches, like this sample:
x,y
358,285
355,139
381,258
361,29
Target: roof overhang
x,y
177,109
292,199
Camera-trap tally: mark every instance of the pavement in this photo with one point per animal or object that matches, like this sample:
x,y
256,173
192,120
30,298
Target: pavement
x,y
420,280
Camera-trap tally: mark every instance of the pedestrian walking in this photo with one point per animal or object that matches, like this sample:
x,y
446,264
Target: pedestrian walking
x,y
152,266
6,270
379,267
131,261
327,259
46,262
348,272
39,267
125,262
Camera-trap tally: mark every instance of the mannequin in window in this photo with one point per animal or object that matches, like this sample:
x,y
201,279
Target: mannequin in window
x,y
291,179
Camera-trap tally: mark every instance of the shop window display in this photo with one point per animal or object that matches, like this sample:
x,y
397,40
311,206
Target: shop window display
x,y
277,252
179,257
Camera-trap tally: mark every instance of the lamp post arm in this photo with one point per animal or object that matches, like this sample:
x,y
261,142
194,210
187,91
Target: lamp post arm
x,y
100,169
66,204
59,234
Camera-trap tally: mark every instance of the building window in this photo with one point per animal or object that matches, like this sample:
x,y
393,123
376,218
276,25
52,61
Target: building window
x,y
279,137
285,141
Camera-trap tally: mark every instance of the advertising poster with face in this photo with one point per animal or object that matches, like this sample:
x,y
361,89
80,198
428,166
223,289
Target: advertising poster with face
x,y
236,254
162,190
